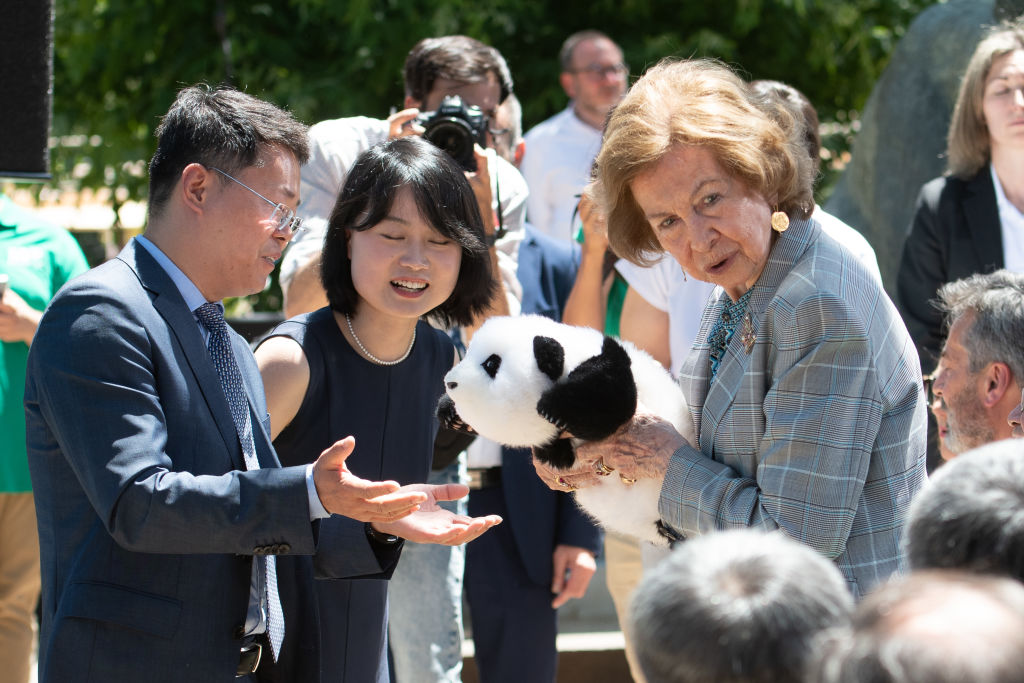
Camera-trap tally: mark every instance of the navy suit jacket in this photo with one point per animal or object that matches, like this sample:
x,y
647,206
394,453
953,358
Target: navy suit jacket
x,y
955,233
541,518
147,518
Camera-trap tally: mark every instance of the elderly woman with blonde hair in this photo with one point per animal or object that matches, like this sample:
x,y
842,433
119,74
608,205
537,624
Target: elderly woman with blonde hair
x,y
803,384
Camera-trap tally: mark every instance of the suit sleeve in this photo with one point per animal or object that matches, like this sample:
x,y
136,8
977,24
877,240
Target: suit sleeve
x,y
95,407
922,271
822,414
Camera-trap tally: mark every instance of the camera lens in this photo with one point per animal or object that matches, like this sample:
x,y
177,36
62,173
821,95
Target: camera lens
x,y
455,138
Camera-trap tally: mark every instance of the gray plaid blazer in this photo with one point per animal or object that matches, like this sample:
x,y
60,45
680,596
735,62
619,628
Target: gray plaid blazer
x,y
815,423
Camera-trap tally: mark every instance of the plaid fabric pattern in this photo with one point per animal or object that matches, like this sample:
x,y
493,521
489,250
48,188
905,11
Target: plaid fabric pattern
x,y
819,430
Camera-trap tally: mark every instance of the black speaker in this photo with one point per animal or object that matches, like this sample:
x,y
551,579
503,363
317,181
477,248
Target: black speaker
x,y
26,88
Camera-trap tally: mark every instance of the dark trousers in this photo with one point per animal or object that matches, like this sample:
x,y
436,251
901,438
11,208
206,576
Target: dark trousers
x,y
514,626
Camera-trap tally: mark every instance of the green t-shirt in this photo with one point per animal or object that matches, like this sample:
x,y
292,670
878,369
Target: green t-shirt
x,y
38,257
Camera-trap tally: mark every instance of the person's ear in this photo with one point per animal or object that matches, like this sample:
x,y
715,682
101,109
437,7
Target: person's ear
x,y
568,84
518,152
195,187
998,380
411,103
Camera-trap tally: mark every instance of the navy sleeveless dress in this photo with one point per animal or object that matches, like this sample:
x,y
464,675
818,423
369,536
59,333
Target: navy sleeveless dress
x,y
390,412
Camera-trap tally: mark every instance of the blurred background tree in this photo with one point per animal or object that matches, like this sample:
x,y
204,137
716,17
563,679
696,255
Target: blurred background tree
x,y
119,63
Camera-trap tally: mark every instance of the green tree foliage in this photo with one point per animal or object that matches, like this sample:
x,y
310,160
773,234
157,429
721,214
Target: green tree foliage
x,y
119,63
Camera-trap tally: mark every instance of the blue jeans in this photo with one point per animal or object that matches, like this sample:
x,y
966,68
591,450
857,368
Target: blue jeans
x,y
425,602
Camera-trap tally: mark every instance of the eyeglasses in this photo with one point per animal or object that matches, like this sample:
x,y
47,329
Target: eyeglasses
x,y
286,223
498,132
597,72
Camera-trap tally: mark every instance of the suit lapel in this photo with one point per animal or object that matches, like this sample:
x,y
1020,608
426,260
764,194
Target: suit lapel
x,y
982,213
721,394
168,303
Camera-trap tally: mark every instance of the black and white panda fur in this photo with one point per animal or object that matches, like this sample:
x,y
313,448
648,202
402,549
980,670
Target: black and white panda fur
x,y
526,379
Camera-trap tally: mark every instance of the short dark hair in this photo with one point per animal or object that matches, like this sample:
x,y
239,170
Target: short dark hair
x,y
569,46
970,516
798,103
222,127
456,58
934,626
444,199
735,606
997,300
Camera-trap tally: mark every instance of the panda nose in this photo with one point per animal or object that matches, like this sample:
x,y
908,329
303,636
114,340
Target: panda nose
x,y
451,385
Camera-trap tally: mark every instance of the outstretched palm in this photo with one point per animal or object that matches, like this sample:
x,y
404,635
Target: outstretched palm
x,y
433,524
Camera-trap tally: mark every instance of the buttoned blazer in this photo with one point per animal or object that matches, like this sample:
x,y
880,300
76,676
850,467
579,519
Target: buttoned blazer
x,y
815,421
955,233
147,519
541,518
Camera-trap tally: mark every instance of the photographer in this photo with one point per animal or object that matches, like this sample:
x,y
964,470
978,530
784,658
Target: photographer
x,y
435,68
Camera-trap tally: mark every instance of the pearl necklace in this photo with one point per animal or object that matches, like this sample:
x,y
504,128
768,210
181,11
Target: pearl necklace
x,y
374,358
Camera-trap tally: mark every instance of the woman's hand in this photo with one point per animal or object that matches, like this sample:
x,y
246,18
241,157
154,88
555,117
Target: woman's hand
x,y
578,477
431,523
640,449
595,226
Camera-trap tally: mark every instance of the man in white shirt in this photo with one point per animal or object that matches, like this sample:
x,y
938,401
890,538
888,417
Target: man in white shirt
x,y
560,150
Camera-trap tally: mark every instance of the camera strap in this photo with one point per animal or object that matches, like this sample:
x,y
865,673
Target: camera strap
x,y
500,232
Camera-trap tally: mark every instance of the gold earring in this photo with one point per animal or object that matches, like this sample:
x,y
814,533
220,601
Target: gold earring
x,y
780,221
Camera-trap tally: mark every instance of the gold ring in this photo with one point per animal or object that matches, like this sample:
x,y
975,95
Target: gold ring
x,y
601,469
628,481
562,482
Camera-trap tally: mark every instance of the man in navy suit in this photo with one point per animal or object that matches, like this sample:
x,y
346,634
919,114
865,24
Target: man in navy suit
x,y
155,481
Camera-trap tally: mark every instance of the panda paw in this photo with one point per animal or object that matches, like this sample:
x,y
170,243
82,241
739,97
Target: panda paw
x,y
596,398
558,453
450,419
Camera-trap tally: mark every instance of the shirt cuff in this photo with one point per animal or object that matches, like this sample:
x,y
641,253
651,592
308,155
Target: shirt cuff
x,y
316,508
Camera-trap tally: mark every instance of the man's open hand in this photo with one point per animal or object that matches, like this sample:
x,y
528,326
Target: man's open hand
x,y
343,493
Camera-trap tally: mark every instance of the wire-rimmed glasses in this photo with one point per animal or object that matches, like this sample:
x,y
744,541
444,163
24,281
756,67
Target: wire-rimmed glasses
x,y
286,223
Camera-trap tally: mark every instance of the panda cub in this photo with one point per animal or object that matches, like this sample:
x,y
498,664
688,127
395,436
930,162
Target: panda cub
x,y
526,379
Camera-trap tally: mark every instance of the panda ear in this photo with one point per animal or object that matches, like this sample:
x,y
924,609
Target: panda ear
x,y
596,398
550,356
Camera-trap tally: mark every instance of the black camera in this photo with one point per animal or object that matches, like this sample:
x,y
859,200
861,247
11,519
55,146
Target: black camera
x,y
455,128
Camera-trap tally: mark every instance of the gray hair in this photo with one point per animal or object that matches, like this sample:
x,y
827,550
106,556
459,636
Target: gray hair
x,y
970,516
895,639
731,606
997,300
